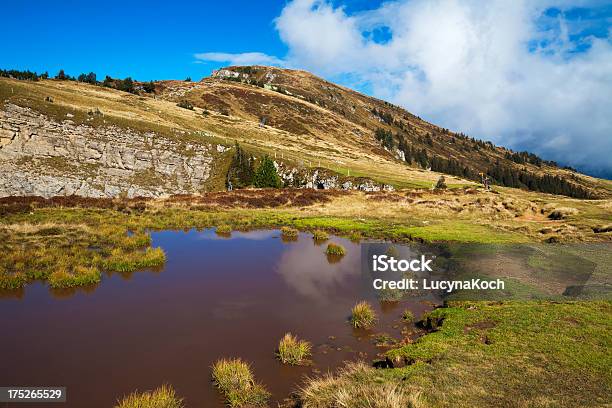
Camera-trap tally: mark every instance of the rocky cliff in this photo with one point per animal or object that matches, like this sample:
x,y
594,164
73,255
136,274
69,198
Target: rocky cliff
x,y
41,156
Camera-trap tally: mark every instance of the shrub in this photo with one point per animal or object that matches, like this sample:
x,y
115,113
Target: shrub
x,y
185,105
562,213
126,85
292,350
441,184
266,175
362,315
335,249
162,397
320,236
148,87
289,232
407,316
235,380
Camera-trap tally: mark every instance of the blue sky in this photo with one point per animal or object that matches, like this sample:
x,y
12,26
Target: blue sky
x,y
142,39
531,75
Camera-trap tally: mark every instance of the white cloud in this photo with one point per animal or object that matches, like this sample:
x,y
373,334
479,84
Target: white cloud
x,y
245,58
499,70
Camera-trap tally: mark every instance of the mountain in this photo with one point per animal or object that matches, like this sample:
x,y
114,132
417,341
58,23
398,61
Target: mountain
x,y
62,137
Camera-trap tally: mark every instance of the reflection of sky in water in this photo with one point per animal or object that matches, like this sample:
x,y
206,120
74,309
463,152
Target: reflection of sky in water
x,y
305,269
210,234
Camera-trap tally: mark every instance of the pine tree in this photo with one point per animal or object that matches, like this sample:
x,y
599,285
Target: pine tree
x,y
241,171
266,175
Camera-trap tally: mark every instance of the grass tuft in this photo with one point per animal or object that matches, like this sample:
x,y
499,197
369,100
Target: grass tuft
x,y
320,235
335,249
357,386
362,315
162,397
235,380
224,229
292,350
408,316
289,232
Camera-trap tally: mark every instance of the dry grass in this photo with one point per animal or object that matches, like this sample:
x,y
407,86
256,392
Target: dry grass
x,y
162,397
356,386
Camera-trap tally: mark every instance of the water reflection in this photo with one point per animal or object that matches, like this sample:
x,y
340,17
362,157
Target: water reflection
x,y
305,268
216,298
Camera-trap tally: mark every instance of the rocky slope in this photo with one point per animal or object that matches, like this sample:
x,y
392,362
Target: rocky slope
x,y
44,157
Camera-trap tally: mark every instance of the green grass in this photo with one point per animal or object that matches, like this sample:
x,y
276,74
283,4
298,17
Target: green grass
x,y
80,276
162,397
513,354
235,380
292,350
122,261
362,316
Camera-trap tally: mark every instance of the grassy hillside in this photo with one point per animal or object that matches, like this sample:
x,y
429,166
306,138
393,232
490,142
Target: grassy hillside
x,y
165,117
308,122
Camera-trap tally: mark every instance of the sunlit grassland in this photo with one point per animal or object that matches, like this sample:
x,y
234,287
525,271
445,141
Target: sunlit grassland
x,y
513,354
78,245
73,245
147,114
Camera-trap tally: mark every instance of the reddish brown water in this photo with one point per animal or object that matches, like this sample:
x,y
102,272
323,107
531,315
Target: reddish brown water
x,y
214,298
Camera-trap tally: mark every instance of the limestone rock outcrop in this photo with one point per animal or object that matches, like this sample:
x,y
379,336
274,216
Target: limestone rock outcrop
x,y
41,156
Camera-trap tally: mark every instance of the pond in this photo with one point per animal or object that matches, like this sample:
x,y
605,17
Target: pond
x,y
215,297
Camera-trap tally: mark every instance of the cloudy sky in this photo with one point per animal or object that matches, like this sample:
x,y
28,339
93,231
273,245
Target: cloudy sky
x,y
533,75
528,74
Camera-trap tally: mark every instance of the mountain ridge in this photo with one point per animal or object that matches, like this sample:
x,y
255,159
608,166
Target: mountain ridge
x,y
307,121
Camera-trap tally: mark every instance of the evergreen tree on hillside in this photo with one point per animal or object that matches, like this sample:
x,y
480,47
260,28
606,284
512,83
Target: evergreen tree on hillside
x,y
241,172
149,87
126,85
108,82
266,175
385,137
